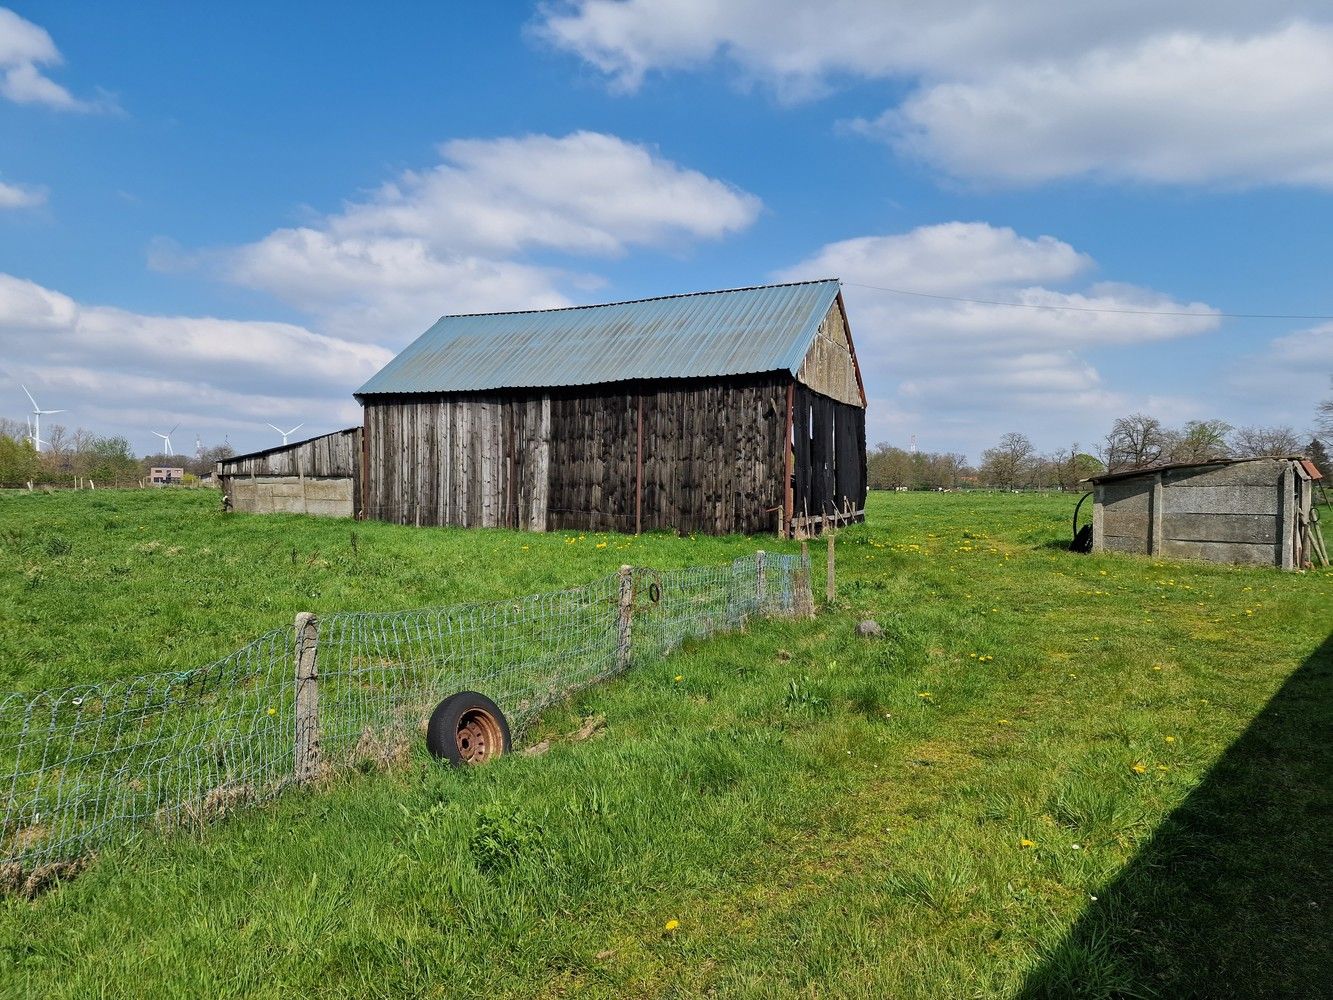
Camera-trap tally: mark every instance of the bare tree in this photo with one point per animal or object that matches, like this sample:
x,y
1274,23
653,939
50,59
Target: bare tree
x,y
1199,441
1135,441
1010,463
1254,442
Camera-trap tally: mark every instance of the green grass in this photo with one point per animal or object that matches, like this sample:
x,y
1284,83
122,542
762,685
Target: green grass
x,y
825,815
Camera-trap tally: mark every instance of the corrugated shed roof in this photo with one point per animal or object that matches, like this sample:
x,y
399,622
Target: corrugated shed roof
x,y
733,332
1149,470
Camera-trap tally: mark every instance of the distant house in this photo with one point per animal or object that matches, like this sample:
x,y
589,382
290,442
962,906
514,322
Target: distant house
x,y
165,476
715,412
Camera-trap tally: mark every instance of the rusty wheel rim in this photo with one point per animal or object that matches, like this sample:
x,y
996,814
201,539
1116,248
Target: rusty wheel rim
x,y
479,737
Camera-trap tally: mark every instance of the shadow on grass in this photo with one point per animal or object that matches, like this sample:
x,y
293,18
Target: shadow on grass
x,y
1233,895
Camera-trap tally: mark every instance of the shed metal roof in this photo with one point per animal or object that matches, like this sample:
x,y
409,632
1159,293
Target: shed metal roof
x,y
1152,470
733,332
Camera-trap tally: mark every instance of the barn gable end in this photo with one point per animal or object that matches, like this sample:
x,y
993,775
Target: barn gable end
x,y
830,365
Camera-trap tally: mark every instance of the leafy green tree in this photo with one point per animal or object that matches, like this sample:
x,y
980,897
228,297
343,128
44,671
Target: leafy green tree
x,y
19,462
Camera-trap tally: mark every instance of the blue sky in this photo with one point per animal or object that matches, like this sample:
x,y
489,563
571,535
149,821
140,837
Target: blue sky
x,y
226,217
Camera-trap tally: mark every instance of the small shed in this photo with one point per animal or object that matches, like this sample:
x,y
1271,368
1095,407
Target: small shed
x,y
320,475
1253,511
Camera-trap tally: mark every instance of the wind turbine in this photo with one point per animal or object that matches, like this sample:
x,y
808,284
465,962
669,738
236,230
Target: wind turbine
x,y
166,438
33,438
285,433
37,413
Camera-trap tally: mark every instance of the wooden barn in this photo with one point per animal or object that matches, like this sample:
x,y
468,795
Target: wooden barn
x,y
315,476
715,412
1254,511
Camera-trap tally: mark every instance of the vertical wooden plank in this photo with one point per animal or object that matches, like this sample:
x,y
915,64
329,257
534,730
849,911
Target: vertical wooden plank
x,y
788,456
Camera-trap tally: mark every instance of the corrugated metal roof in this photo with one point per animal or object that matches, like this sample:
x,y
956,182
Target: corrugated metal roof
x,y
1150,470
733,332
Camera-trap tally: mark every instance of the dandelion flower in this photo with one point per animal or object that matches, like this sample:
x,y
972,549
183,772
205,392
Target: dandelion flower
x,y
1171,739
1027,843
601,545
672,925
1139,768
679,678
272,710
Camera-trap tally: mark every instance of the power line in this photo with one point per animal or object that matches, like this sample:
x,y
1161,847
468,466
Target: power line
x,y
1091,309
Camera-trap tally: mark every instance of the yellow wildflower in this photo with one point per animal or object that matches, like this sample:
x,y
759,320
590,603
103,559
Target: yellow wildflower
x,y
1027,843
1138,768
1171,739
601,545
679,678
672,924
272,710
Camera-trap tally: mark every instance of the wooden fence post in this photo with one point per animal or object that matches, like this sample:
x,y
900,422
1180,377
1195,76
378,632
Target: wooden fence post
x,y
805,595
761,578
307,697
626,615
830,584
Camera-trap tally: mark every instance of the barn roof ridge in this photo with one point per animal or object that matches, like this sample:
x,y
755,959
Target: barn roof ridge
x,y
646,298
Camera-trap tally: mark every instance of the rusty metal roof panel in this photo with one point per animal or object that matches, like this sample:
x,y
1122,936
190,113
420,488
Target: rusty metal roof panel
x,y
733,332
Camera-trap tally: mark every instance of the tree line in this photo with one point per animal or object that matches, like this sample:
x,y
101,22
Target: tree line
x,y
80,455
1136,441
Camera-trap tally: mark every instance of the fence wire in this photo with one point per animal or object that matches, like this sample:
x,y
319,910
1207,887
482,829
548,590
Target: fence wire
x,y
86,764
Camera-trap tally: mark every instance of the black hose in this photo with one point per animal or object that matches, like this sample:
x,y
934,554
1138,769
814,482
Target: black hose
x,y
1082,540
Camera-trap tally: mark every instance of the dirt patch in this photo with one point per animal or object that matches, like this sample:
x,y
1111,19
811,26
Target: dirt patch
x,y
16,880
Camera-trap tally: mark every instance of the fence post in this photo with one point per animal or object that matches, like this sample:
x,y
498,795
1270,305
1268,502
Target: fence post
x,y
307,697
804,587
760,578
830,583
626,615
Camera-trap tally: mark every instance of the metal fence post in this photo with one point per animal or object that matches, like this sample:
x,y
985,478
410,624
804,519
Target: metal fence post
x,y
626,615
307,697
761,578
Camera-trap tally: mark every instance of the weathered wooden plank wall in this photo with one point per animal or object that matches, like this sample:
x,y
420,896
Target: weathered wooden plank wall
x,y
465,460
335,456
829,455
710,457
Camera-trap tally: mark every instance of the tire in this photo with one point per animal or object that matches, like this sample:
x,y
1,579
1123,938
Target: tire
x,y
467,728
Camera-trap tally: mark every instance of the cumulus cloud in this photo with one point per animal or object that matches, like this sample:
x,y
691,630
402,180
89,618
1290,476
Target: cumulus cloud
x,y
453,238
1179,108
24,49
128,372
20,196
959,366
1227,92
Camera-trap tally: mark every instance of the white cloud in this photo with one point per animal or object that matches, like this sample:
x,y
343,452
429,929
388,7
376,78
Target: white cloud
x,y
20,196
1179,108
120,370
24,49
451,238
959,370
1227,92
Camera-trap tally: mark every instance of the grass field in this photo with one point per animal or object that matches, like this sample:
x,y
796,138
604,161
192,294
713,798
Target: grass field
x,y
1055,775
